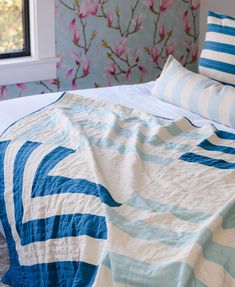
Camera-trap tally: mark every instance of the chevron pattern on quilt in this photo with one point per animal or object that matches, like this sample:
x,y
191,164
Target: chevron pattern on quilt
x,y
96,194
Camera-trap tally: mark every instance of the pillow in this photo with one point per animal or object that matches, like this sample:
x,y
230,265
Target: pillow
x,y
196,93
217,59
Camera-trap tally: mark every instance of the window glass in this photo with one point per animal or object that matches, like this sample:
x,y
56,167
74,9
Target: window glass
x,y
14,28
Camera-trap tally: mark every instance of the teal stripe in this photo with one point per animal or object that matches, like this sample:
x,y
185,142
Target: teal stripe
x,y
174,130
166,77
181,84
226,30
126,270
214,252
220,16
220,47
214,104
107,143
194,103
142,230
217,65
139,202
228,215
135,132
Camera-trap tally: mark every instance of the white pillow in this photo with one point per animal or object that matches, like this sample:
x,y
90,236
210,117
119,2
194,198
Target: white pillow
x,y
196,93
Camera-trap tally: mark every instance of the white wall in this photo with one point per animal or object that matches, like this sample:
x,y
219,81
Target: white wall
x,y
226,7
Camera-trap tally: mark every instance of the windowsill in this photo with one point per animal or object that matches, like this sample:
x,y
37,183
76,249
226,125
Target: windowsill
x,y
27,69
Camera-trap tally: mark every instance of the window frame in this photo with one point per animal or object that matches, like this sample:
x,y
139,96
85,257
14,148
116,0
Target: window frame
x,y
26,28
41,64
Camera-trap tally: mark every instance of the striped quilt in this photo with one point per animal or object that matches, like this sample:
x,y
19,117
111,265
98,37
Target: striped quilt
x,y
96,194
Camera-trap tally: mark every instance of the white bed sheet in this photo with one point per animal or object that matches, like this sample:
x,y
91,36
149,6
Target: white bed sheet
x,y
134,96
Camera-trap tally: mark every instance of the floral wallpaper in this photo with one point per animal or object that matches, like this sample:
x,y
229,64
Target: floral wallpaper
x,y
111,42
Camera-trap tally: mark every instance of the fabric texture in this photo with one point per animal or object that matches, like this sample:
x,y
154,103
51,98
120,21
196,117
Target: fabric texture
x,y
217,59
95,194
195,92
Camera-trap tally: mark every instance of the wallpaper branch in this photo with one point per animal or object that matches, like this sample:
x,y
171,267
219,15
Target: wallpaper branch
x,y
110,42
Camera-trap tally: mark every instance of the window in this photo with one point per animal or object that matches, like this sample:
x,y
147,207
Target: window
x,y
40,63
14,28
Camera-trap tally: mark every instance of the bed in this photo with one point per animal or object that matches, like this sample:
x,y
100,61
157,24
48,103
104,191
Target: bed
x,y
119,187
158,215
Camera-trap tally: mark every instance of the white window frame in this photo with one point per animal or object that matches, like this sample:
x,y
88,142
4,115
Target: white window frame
x,y
41,65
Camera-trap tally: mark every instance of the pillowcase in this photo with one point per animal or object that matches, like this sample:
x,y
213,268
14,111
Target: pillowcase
x,y
196,93
217,59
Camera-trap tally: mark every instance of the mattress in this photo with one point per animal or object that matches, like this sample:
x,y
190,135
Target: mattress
x,y
136,96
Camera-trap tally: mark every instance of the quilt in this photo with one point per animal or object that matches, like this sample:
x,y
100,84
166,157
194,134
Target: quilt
x,y
96,194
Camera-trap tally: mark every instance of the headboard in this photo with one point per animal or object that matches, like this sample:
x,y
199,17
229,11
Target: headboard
x,y
226,7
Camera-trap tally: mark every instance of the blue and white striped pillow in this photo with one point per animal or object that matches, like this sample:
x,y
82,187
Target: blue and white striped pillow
x,y
195,92
217,59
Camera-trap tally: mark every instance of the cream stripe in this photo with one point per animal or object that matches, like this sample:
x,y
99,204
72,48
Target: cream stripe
x,y
211,274
104,278
188,177
225,236
188,89
217,75
219,56
65,249
170,89
219,38
215,155
221,22
205,98
228,101
57,204
9,161
161,219
151,252
81,248
214,139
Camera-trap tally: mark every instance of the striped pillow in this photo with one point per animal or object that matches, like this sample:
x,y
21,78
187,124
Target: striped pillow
x,y
196,93
217,59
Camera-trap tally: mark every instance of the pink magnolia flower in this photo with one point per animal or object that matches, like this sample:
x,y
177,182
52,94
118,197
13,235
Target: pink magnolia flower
x,y
185,16
188,45
72,25
3,92
89,7
86,68
21,86
155,54
111,69
166,5
195,6
150,4
121,47
139,21
128,75
136,55
109,18
60,64
69,73
74,84
188,26
170,48
76,37
54,82
162,32
181,59
195,54
143,70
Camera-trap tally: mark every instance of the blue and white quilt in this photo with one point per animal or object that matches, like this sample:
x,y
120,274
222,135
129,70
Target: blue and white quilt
x,y
96,194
